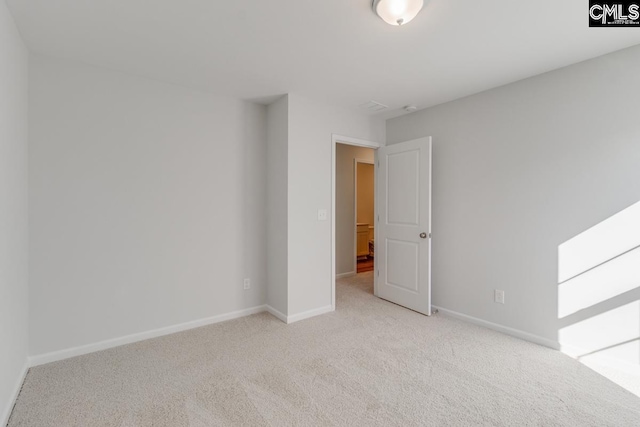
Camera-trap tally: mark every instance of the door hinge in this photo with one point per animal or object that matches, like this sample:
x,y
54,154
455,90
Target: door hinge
x,y
378,273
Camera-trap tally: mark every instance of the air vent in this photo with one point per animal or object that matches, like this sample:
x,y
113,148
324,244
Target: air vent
x,y
374,106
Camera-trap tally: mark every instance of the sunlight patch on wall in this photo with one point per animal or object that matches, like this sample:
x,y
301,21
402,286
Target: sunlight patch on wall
x,y
610,238
612,334
598,301
614,278
608,343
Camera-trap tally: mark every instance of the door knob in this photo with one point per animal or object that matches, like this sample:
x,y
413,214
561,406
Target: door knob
x,y
423,235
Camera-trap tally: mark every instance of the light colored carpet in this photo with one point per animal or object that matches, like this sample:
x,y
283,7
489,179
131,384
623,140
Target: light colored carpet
x,y
369,363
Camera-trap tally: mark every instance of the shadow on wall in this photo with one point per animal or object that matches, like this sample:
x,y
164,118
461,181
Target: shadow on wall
x,y
599,297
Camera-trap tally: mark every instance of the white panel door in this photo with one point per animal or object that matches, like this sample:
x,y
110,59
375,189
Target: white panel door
x,y
403,232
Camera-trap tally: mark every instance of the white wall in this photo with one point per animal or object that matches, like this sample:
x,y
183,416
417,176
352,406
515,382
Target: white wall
x,y
147,205
13,211
277,159
345,193
518,171
311,125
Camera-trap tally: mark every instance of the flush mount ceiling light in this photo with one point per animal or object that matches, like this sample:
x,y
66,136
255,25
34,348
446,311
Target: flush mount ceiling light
x,y
397,12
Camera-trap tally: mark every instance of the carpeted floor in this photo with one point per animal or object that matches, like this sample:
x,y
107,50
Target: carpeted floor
x,y
371,363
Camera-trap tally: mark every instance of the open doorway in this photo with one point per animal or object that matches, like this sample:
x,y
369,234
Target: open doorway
x,y
355,208
354,211
402,220
364,201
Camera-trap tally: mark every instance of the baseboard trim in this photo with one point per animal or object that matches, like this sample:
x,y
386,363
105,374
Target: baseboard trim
x,y
310,313
55,356
6,413
345,275
501,328
276,313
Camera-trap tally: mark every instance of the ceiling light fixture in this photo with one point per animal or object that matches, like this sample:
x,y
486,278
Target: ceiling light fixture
x,y
397,12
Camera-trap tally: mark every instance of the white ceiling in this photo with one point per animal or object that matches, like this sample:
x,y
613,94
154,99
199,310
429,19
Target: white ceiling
x,y
336,51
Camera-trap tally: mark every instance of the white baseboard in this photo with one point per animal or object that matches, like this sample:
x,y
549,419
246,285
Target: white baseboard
x,y
345,275
573,352
54,356
6,412
276,313
500,328
300,316
310,313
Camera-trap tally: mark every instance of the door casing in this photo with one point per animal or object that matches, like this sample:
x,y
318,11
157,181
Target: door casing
x,y
341,139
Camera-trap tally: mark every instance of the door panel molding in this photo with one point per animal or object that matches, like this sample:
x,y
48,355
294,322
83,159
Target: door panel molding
x,y
403,196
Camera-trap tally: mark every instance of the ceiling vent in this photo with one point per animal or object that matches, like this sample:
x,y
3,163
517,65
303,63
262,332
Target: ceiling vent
x,y
374,106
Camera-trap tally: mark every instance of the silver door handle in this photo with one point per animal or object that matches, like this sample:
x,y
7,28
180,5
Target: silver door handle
x,y
423,235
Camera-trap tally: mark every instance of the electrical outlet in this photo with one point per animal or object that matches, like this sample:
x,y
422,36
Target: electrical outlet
x,y
322,214
498,296
247,284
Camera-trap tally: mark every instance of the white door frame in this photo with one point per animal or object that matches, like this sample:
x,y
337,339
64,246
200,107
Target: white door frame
x,y
355,208
340,139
